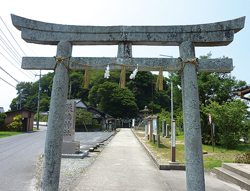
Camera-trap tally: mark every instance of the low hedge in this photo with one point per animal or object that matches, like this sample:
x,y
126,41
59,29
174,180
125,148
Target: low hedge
x,y
91,128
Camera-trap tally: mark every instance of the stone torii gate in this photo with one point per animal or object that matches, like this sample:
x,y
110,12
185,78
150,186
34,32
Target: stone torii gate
x,y
186,37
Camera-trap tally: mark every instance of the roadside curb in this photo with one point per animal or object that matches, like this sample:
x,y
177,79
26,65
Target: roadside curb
x,y
113,134
76,156
92,149
155,160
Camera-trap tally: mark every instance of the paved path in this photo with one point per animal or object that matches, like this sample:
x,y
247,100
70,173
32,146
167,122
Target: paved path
x,y
122,165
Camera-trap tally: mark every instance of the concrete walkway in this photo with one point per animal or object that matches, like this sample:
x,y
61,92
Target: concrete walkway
x,y
122,165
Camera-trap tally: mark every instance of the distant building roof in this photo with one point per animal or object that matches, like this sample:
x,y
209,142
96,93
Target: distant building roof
x,y
1,110
80,103
96,112
242,91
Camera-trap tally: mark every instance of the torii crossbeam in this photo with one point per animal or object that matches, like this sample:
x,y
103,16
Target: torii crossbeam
x,y
184,36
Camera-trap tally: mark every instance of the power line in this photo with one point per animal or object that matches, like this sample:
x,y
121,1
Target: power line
x,y
7,82
15,66
15,52
18,62
12,36
14,32
12,50
12,56
9,75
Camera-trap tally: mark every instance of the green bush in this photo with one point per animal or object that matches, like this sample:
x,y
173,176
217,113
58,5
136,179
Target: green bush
x,y
17,124
243,158
229,141
41,118
81,127
206,139
2,119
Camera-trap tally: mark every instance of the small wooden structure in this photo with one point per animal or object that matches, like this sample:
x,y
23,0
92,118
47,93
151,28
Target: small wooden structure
x,y
243,91
27,119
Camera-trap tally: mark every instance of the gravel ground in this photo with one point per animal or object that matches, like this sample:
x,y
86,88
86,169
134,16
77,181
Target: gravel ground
x,y
71,169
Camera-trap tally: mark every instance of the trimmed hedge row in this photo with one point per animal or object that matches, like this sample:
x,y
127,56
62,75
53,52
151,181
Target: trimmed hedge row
x,y
91,128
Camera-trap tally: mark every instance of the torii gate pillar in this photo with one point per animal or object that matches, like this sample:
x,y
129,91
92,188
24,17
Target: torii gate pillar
x,y
54,135
191,120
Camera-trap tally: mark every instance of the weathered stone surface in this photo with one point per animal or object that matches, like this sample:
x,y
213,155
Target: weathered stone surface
x,y
54,135
191,119
69,121
145,64
69,145
213,34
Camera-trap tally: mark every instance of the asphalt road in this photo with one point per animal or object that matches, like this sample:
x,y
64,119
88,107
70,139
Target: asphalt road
x,y
19,155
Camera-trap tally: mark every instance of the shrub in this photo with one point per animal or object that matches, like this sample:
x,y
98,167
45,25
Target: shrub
x,y
206,139
41,118
229,141
17,124
243,158
2,119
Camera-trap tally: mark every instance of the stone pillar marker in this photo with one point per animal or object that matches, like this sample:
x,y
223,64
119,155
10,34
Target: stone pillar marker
x,y
54,135
173,148
163,132
167,131
146,130
155,127
69,145
191,120
150,128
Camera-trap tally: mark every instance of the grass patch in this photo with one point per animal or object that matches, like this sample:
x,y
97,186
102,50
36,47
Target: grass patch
x,y
220,155
210,160
9,133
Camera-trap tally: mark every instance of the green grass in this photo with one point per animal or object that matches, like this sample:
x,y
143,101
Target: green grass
x,y
221,155
8,133
210,160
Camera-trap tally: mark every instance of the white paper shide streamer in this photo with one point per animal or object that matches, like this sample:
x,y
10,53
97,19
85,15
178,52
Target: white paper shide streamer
x,y
132,76
106,75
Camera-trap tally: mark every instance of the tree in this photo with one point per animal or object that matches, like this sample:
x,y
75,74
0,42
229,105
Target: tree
x,y
28,94
116,101
216,87
2,119
164,115
83,117
228,118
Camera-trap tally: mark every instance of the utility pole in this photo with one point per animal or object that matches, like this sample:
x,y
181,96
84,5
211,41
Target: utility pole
x,y
172,99
70,90
172,102
38,104
20,99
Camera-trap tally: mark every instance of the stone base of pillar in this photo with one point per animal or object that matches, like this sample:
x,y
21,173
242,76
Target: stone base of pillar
x,y
70,147
173,163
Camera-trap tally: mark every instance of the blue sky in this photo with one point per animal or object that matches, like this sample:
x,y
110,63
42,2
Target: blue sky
x,y
124,12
